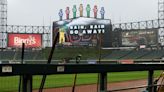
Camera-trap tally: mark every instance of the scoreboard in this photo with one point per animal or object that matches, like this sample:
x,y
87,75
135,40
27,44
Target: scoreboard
x,y
84,31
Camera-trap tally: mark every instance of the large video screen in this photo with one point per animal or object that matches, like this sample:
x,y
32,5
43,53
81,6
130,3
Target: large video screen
x,y
30,40
82,31
139,37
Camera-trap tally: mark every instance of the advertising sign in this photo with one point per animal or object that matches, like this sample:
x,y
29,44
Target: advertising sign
x,y
30,40
143,37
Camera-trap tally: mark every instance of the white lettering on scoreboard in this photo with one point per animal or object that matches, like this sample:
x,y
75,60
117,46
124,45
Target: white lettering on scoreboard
x,y
92,29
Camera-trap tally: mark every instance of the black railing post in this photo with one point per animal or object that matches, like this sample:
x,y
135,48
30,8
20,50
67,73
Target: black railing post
x,y
150,81
49,61
27,83
21,76
78,58
103,82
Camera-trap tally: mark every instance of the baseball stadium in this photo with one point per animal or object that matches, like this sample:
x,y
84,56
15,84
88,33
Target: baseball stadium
x,y
82,53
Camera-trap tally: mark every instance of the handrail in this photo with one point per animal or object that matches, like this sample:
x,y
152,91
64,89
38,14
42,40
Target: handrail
x,y
136,87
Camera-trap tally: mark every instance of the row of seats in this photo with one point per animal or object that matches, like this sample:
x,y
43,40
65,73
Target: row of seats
x,y
135,54
114,54
16,55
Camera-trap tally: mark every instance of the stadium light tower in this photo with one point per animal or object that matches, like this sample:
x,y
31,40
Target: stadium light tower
x,y
160,9
161,22
3,15
3,22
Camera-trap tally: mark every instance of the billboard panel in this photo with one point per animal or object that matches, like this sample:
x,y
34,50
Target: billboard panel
x,y
139,37
30,40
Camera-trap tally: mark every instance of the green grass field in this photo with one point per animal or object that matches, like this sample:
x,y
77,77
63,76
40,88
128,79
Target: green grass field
x,y
10,84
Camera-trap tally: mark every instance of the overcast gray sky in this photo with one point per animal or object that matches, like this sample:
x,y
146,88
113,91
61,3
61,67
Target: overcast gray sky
x,y
43,12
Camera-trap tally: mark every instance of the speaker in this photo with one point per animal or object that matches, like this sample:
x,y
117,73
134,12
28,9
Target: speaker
x,y
112,38
107,37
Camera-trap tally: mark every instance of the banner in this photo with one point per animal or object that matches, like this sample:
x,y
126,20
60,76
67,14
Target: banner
x,y
30,40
